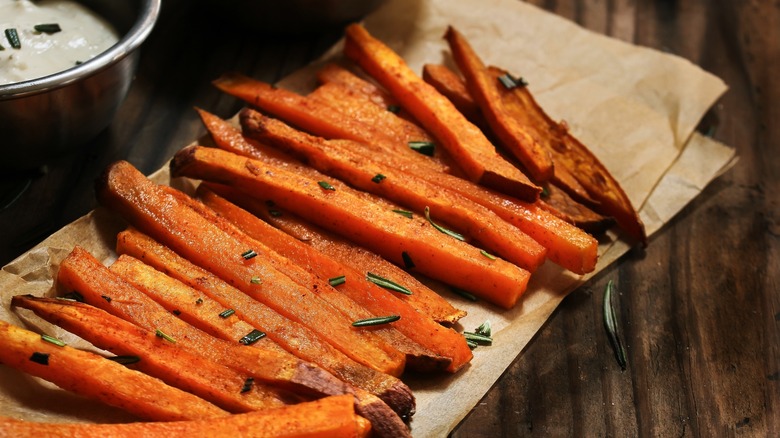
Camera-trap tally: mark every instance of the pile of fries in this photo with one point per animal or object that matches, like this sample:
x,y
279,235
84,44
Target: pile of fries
x,y
283,297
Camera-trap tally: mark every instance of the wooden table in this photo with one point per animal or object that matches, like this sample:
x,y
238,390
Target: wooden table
x,y
699,308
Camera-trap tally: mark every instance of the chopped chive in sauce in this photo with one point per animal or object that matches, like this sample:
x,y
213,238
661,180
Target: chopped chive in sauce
x,y
379,320
13,38
47,28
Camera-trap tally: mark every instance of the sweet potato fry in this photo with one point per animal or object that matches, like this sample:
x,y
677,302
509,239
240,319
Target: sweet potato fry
x,y
463,141
421,329
451,86
312,115
422,358
335,74
560,204
328,417
334,205
149,208
228,137
512,135
292,336
106,380
340,160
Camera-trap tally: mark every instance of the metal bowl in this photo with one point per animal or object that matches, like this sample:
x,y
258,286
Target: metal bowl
x,y
43,118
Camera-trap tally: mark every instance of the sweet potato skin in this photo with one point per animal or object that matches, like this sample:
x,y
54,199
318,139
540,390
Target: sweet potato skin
x,y
464,141
328,417
107,381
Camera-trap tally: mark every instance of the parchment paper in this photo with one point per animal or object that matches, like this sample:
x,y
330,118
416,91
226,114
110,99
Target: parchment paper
x,y
636,108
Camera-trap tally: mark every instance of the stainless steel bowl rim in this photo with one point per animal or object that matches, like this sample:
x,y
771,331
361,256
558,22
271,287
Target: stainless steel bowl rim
x,y
140,30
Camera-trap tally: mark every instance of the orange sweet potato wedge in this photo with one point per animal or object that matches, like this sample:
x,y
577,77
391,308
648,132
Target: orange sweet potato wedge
x,y
313,115
228,137
340,160
336,74
464,142
328,417
451,86
154,211
159,355
423,330
80,271
513,136
292,336
333,205
559,203
94,376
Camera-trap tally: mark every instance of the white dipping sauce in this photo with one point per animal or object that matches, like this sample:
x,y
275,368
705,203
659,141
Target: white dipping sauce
x,y
84,35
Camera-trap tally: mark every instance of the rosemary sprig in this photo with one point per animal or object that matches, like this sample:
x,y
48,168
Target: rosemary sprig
x,y
335,281
487,254
610,324
160,334
509,82
379,320
52,340
463,293
450,233
478,338
484,329
404,213
387,284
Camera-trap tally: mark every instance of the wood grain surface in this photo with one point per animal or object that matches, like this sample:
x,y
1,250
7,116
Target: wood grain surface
x,y
699,309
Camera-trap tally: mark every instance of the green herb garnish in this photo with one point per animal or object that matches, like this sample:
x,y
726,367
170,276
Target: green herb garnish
x,y
487,254
252,337
13,38
404,213
610,324
450,233
387,284
256,280
335,281
274,212
509,82
395,109
463,293
47,28
160,334
247,384
227,313
423,147
106,297
472,345
479,339
484,329
379,320
248,254
52,340
378,178
199,301
326,185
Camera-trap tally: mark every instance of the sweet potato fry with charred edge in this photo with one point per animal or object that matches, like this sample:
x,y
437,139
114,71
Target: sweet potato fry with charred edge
x,y
288,334
228,137
444,341
338,159
512,135
160,357
204,311
386,336
328,417
451,86
312,115
337,74
335,206
106,380
466,144
152,210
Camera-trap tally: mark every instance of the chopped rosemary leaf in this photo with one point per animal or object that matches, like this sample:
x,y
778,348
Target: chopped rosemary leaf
x,y
41,358
472,345
256,280
379,320
326,185
423,147
404,213
247,384
125,360
479,339
335,281
52,340
106,297
160,334
484,329
199,301
408,262
378,178
509,82
248,254
395,109
610,324
252,337
227,313
387,284
463,293
47,28
450,233
13,38
487,254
